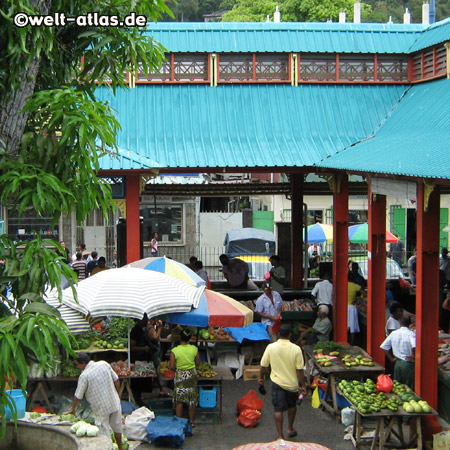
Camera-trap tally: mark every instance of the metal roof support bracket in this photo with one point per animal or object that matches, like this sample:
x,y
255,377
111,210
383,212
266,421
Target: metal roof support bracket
x,y
428,189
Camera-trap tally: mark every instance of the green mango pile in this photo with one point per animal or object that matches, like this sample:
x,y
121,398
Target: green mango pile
x,y
365,397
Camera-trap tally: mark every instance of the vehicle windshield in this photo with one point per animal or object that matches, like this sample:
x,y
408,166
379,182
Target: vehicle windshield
x,y
393,270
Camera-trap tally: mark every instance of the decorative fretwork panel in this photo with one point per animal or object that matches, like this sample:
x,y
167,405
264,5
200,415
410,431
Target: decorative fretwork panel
x,y
272,67
188,67
236,67
356,68
392,68
179,67
317,67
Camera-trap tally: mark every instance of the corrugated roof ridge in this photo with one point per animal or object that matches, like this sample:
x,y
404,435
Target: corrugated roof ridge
x,y
298,26
431,27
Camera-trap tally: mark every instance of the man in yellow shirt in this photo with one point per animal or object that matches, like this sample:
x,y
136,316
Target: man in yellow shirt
x,y
286,362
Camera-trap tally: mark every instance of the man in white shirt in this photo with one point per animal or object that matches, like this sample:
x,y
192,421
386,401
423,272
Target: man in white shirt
x,y
322,292
268,306
399,347
100,385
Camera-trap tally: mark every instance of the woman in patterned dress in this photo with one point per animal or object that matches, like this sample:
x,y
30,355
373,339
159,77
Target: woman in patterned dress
x,y
184,359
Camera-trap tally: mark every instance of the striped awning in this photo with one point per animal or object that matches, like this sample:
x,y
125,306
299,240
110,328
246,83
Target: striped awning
x,y
131,292
76,322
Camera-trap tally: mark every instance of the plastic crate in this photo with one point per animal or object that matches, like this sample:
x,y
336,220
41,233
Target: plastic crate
x,y
208,396
341,401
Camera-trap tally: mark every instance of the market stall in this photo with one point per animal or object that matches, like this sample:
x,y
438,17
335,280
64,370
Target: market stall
x,y
344,362
389,410
211,379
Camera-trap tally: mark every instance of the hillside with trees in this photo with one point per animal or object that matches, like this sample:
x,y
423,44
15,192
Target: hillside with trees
x,y
302,10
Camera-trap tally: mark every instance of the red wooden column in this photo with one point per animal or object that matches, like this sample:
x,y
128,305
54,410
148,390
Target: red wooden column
x,y
133,226
297,181
340,256
427,292
376,287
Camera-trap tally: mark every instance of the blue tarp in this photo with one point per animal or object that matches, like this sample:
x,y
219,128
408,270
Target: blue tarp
x,y
254,332
249,241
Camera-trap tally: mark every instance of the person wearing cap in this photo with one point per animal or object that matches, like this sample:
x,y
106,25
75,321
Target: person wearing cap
x,y
84,252
268,306
320,331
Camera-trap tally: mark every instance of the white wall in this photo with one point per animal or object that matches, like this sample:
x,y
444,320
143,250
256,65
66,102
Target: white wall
x,y
214,226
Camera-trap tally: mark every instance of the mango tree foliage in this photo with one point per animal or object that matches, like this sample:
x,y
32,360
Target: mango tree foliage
x,y
52,133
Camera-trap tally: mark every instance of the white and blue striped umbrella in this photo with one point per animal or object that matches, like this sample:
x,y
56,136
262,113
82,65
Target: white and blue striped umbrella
x,y
131,292
74,320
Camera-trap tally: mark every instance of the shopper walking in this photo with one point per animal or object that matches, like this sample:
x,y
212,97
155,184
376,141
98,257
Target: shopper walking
x,y
286,363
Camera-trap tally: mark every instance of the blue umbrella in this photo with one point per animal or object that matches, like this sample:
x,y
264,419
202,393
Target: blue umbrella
x,y
319,232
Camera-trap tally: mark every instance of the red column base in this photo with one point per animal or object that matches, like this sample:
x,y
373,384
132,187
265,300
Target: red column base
x,y
430,426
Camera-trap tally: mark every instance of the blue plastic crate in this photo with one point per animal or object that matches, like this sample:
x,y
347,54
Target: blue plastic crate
x,y
341,401
208,396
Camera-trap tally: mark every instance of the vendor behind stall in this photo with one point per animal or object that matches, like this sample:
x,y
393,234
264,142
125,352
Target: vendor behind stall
x,y
320,331
144,346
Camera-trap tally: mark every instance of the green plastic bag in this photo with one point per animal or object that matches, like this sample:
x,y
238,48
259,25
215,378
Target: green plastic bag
x,y
315,400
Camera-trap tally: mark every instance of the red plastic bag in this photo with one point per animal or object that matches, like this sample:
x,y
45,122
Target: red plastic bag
x,y
276,326
384,383
248,418
250,401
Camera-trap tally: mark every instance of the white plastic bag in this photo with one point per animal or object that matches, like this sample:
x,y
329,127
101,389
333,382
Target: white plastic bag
x,y
348,416
136,423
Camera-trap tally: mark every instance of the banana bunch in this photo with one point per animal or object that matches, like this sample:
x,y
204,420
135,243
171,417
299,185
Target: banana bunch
x,y
164,367
205,370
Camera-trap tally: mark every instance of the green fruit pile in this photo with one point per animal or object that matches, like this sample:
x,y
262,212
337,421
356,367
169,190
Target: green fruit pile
x,y
366,398
358,360
107,345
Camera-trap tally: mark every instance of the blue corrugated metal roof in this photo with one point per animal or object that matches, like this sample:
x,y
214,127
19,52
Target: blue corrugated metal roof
x,y
414,140
435,34
194,126
285,37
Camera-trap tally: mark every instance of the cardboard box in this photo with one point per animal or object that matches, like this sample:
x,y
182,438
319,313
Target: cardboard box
x,y
251,373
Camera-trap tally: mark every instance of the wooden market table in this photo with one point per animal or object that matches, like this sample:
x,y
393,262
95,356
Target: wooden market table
x,y
338,370
389,424
42,388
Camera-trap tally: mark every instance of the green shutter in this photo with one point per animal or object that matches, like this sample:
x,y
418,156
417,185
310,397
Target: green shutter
x,y
443,235
329,216
263,220
398,222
